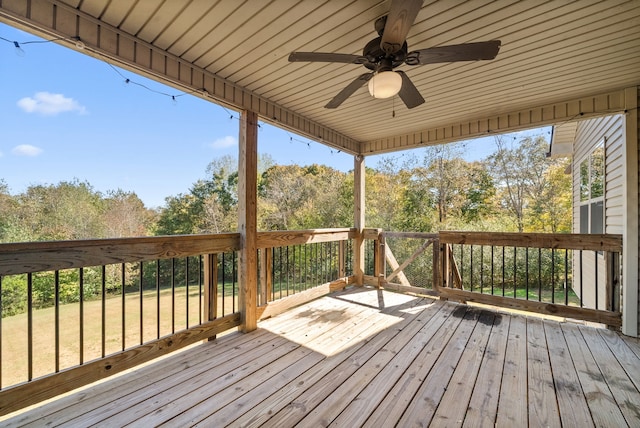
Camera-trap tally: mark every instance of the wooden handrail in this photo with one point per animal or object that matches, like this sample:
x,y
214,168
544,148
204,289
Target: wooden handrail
x,y
569,241
27,257
295,237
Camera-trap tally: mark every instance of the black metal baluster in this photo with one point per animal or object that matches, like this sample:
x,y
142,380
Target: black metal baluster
x,y
30,326
566,277
141,303
200,296
539,274
481,268
581,281
233,280
103,291
553,275
492,270
1,314
123,306
471,267
158,299
57,317
186,280
526,270
224,277
81,292
173,295
503,276
296,288
515,273
595,256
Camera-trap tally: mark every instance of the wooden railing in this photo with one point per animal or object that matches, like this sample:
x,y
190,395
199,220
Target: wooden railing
x,y
298,266
95,308
173,291
136,299
568,275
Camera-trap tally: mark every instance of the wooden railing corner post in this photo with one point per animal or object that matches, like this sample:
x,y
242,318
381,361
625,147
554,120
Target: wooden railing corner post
x,y
380,258
342,259
437,265
210,288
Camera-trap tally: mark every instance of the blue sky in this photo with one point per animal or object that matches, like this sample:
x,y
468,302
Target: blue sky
x,y
68,116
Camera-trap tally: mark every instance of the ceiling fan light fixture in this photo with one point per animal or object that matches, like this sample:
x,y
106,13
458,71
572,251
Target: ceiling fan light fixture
x,y
385,84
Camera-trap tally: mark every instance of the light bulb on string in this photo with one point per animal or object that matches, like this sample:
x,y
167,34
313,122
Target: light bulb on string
x,y
19,51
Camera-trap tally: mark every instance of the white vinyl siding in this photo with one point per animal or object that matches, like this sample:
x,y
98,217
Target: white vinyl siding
x,y
607,130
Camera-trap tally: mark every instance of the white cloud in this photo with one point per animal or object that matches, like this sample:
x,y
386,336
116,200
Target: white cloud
x,y
223,143
50,104
26,150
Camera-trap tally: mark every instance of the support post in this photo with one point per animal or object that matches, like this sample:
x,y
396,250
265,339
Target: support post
x,y
437,267
630,307
211,288
247,219
342,265
358,218
265,275
381,251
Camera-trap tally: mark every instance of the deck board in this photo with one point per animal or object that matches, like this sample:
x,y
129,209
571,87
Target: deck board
x,y
572,404
367,357
483,405
543,405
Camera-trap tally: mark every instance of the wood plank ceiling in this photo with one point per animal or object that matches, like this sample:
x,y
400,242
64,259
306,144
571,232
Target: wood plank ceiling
x,y
552,52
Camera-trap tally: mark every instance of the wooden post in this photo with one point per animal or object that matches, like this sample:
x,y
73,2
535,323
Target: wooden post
x,y
247,219
266,257
437,267
612,260
630,216
358,218
211,288
342,265
381,260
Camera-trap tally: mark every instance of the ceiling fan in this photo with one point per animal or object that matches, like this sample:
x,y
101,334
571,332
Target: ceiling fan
x,y
388,51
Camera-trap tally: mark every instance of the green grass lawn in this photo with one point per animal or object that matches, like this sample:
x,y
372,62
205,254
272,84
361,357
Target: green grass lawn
x,y
521,293
14,365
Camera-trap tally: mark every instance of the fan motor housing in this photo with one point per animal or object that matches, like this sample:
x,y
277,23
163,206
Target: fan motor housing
x,y
374,53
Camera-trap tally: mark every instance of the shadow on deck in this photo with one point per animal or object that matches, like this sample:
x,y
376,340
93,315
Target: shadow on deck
x,y
365,357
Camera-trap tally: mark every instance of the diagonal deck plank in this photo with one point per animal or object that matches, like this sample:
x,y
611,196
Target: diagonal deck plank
x,y
367,357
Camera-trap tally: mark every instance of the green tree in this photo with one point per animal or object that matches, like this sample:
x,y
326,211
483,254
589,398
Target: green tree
x,y
295,197
550,210
66,211
125,215
519,172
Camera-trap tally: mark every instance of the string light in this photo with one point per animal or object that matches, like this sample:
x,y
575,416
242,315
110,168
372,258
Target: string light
x,y
203,92
19,50
126,80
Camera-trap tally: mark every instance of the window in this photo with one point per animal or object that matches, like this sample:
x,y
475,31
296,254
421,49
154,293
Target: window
x,y
592,181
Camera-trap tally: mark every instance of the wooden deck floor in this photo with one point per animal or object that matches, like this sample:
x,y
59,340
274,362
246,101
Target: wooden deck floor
x,y
373,358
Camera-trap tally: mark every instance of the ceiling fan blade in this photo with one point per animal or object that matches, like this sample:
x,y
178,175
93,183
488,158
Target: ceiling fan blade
x,y
453,53
409,94
327,57
349,90
399,21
